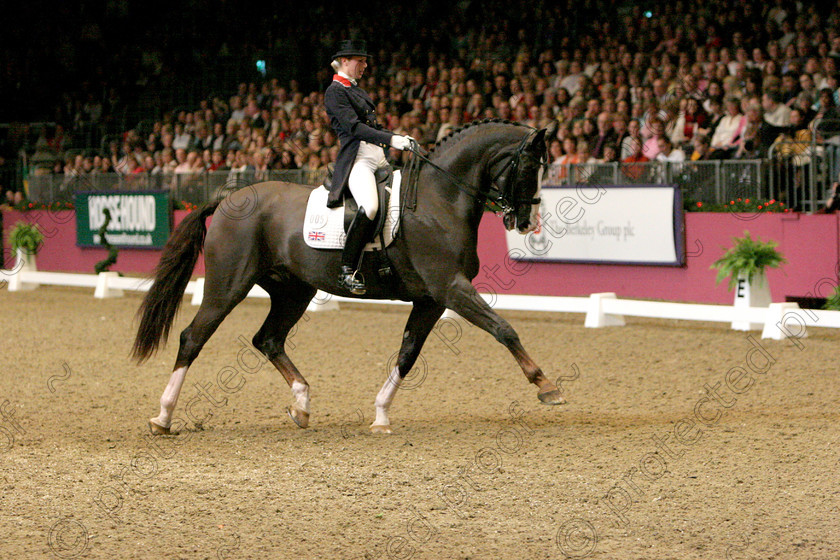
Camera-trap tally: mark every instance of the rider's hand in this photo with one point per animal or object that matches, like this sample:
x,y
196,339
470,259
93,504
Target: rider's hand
x,y
401,142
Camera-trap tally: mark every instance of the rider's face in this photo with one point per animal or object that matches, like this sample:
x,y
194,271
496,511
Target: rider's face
x,y
355,66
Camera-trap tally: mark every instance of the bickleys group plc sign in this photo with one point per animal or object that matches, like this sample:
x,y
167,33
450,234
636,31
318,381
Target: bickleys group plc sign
x,y
138,219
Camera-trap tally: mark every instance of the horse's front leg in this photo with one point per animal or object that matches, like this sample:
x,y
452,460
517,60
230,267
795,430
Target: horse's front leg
x,y
423,317
464,300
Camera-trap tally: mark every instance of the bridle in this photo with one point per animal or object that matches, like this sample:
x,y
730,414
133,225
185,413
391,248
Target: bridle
x,y
497,199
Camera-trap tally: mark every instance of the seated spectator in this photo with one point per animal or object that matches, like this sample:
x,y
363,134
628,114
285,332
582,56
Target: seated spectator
x,y
149,164
167,161
651,145
728,132
13,198
804,104
702,150
632,142
182,139
217,161
667,151
826,107
714,92
715,113
219,137
690,119
206,160
203,139
589,131
572,82
585,168
775,112
794,146
758,135
569,157
184,165
630,165
610,154
287,160
261,165
807,87
790,88
619,129
604,135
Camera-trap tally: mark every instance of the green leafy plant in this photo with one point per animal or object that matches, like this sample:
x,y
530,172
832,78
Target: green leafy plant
x,y
748,257
833,302
26,237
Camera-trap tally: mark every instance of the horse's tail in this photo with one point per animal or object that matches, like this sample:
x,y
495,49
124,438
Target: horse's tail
x,y
172,274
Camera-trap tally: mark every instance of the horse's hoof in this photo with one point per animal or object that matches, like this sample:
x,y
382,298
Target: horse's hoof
x,y
157,429
298,416
380,429
552,396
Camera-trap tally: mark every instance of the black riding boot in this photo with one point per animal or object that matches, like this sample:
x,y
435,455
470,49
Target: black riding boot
x,y
357,237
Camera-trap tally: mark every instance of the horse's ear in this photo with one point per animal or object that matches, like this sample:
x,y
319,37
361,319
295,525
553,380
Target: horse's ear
x,y
537,140
551,131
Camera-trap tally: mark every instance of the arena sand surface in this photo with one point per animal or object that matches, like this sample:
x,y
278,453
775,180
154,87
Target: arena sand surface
x,y
476,468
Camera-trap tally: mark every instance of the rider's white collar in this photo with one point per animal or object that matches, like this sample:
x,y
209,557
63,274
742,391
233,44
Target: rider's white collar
x,y
343,75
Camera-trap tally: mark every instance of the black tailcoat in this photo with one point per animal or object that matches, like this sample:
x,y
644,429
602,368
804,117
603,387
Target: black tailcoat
x,y
353,117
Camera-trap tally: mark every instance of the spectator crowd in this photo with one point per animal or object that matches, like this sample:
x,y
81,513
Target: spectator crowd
x,y
687,81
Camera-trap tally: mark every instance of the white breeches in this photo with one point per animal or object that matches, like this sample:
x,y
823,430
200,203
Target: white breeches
x,y
362,183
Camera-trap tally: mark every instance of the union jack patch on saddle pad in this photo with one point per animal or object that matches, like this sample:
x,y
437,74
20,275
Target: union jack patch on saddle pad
x,y
324,227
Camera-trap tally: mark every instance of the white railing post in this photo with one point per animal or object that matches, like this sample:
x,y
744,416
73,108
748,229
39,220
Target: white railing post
x,y
780,320
103,290
595,316
198,291
323,302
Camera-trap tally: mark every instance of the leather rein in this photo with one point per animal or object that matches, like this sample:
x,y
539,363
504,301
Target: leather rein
x,y
496,199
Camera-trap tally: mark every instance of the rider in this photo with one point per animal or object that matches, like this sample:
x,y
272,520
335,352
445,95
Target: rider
x,y
363,143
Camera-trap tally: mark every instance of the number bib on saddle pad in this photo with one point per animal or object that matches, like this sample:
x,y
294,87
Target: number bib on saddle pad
x,y
323,228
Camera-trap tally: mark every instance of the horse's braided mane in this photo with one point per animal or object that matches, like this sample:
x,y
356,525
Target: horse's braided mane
x,y
456,131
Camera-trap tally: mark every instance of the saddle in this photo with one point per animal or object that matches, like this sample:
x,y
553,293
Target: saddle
x,y
326,228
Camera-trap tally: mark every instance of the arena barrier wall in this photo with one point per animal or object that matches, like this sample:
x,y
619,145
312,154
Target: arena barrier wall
x,y
811,244
808,242
778,321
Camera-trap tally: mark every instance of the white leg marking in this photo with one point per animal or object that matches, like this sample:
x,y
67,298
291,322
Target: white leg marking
x,y
300,392
170,397
385,396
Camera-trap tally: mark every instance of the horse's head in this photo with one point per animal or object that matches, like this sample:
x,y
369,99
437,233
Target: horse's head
x,y
522,184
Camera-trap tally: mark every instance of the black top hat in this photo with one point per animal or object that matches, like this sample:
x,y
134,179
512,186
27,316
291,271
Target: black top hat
x,y
350,48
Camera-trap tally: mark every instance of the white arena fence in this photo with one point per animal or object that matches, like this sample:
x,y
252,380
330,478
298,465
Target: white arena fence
x,y
777,321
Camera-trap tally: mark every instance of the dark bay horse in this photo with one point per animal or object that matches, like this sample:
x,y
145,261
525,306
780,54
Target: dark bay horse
x,y
256,237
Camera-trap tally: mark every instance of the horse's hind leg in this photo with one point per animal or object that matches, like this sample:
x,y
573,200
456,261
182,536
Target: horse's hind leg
x,y
210,315
423,317
289,299
464,300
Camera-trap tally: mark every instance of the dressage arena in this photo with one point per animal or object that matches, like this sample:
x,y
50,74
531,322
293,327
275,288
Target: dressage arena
x,y
476,467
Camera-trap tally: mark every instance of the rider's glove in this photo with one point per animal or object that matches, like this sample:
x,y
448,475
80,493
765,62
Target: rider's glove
x,y
401,142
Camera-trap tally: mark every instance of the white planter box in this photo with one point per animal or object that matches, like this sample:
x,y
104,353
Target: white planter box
x,y
24,263
751,294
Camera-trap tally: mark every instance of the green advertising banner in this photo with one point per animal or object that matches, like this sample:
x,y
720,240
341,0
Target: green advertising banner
x,y
138,219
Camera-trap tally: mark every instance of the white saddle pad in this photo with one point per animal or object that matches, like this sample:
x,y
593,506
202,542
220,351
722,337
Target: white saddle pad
x,y
323,228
